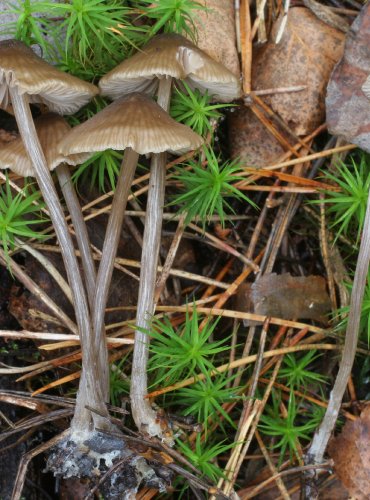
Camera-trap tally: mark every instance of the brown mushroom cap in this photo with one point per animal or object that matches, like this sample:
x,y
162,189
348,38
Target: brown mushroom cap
x,y
51,129
134,121
175,56
21,67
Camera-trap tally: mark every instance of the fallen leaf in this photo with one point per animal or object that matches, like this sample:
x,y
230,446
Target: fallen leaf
x,y
216,32
351,454
287,297
347,106
305,55
249,139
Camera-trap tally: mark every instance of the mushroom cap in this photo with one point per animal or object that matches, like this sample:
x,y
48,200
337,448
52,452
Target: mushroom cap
x,y
20,67
175,56
51,128
134,121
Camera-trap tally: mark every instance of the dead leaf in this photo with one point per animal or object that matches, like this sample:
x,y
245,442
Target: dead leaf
x,y
249,139
216,32
347,107
351,454
288,297
305,55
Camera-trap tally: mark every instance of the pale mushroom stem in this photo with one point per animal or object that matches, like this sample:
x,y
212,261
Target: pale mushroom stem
x,y
144,416
82,237
90,389
111,240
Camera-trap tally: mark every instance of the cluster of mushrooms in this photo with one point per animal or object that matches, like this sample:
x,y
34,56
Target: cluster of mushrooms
x,y
137,124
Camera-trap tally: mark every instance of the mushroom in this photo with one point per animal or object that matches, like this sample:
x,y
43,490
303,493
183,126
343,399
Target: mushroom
x,y
171,56
165,57
25,78
138,125
51,128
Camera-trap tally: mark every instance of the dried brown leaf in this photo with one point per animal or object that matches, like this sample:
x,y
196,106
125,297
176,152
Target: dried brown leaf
x,y
305,55
216,32
347,107
288,297
351,454
250,140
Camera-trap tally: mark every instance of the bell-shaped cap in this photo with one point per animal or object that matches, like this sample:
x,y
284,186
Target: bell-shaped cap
x,y
51,129
175,56
20,67
134,121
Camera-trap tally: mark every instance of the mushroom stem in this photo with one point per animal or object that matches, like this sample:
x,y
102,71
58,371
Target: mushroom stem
x,y
164,92
144,416
111,240
82,237
90,390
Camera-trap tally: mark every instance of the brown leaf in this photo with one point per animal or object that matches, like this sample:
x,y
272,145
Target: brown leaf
x,y
250,140
288,297
347,107
305,55
216,32
351,454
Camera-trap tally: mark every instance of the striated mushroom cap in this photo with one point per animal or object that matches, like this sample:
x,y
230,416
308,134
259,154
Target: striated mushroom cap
x,y
175,56
134,121
20,67
51,129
